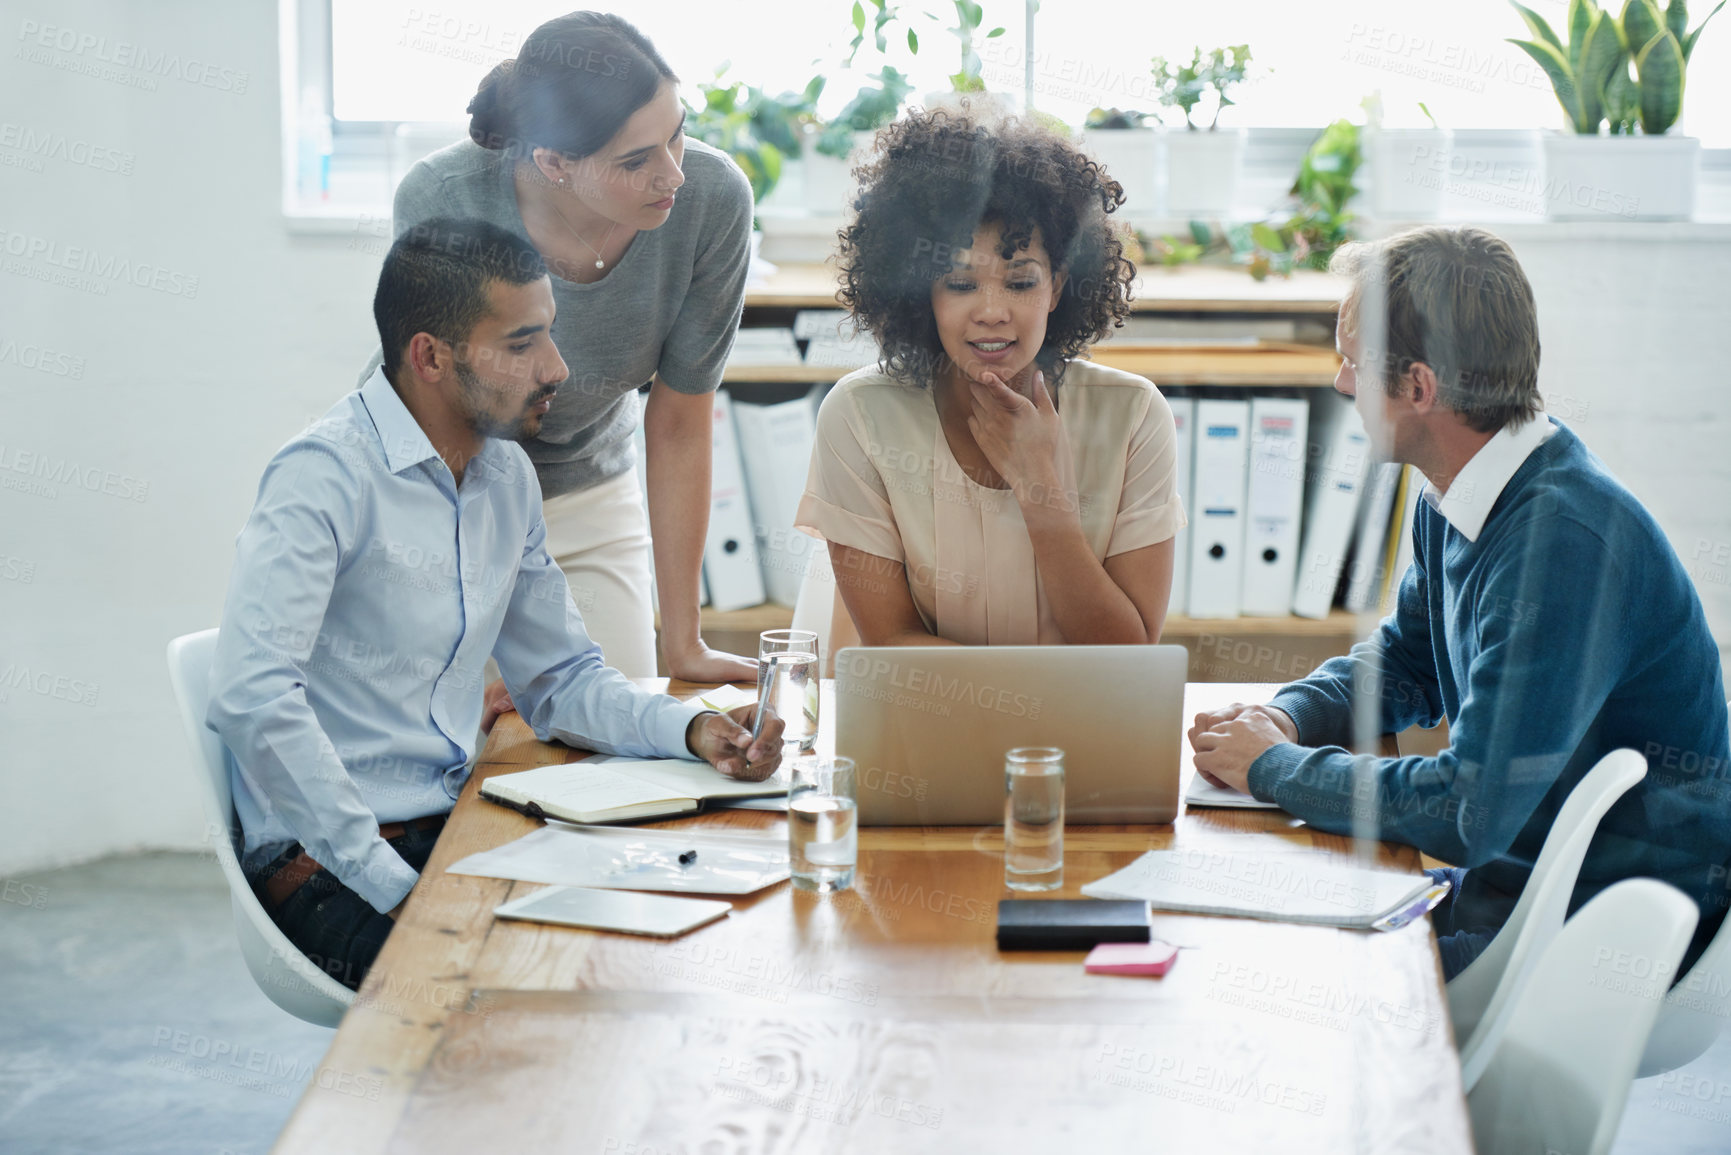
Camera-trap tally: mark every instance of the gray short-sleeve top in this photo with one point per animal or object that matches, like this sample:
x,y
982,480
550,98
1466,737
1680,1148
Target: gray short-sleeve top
x,y
670,306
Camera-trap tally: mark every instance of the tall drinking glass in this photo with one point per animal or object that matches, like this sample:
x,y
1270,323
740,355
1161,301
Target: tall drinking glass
x,y
1034,818
787,682
822,834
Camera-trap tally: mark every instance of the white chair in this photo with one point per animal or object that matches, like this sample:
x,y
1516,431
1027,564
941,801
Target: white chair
x,y
1482,995
1560,1074
286,976
1696,1009
819,608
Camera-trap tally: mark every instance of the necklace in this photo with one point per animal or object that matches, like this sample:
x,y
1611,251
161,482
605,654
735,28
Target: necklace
x,y
599,263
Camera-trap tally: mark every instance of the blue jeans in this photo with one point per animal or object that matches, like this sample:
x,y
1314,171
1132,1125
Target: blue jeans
x,y
1457,945
332,925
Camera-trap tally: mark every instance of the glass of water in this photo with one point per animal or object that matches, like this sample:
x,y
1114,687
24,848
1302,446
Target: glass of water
x,y
822,834
787,682
1034,818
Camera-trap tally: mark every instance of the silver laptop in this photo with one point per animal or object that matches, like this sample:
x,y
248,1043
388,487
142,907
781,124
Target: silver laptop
x,y
928,726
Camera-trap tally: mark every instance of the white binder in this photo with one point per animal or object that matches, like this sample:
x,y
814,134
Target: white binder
x,y
834,340
729,551
1364,583
1274,503
775,443
1217,530
1184,420
1339,461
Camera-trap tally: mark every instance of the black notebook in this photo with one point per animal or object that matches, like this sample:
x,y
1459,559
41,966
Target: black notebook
x,y
1069,923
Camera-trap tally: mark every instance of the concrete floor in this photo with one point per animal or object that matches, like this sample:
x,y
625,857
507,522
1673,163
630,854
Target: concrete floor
x,y
126,1007
129,1024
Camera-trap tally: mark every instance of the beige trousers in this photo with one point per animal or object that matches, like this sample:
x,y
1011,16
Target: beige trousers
x,y
599,537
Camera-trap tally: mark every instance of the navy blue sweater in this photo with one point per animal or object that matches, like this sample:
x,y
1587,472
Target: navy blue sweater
x,y
1567,630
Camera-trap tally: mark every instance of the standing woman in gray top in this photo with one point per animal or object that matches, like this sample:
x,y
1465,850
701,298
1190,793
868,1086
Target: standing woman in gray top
x,y
579,145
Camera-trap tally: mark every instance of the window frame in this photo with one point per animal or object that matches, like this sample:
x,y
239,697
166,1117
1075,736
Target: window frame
x,y
369,151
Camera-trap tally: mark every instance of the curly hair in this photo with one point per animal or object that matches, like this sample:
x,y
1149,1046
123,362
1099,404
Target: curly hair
x,y
934,178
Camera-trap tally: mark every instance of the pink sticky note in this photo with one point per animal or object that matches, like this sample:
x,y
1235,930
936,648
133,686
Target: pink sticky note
x,y
1130,958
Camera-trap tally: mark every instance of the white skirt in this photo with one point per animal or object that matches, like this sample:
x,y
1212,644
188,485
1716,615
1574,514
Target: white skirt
x,y
599,537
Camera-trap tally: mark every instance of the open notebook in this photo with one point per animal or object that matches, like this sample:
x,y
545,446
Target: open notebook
x,y
621,789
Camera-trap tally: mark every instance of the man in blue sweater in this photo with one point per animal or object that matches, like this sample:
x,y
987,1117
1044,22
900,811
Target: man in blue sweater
x,y
1544,615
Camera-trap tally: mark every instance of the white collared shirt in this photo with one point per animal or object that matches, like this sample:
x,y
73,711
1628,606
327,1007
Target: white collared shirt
x,y
1482,479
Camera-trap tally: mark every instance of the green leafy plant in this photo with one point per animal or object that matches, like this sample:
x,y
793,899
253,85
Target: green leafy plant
x,y
969,17
781,120
1590,71
1183,86
871,108
1172,251
1099,118
733,118
1324,187
883,15
1304,237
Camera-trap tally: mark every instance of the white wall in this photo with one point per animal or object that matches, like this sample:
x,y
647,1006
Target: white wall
x,y
1635,322
187,395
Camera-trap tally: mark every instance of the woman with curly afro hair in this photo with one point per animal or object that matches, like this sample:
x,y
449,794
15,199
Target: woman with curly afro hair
x,y
982,485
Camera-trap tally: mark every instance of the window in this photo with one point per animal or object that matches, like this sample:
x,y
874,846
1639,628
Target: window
x,y
380,85
392,63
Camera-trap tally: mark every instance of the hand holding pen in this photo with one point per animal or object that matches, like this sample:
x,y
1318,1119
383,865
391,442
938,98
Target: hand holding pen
x,y
744,743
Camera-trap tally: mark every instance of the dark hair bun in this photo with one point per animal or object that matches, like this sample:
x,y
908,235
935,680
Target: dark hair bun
x,y
575,81
487,126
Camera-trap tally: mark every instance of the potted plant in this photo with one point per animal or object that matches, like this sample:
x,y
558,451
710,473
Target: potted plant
x,y
835,147
1407,168
1637,171
729,119
967,86
1202,165
1129,149
734,118
1318,221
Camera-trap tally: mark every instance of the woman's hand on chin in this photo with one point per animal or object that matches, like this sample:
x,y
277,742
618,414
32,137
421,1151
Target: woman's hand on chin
x,y
1020,437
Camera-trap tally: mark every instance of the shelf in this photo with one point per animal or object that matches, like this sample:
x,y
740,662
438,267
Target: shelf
x,y
795,287
1285,364
1188,289
1339,624
1213,289
752,619
782,374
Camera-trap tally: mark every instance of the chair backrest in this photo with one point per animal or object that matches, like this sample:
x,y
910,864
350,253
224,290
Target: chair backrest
x,y
285,975
189,661
1481,996
1561,1071
1695,1011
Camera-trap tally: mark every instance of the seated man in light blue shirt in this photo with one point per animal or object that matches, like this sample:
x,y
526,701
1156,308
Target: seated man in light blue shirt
x,y
393,546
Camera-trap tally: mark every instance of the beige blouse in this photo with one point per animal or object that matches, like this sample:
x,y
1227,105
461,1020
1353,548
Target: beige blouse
x,y
883,481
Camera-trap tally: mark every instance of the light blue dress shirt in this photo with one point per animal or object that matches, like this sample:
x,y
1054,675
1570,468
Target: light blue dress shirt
x,y
368,590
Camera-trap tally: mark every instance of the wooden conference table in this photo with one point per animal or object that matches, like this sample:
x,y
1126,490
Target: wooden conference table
x,y
884,1018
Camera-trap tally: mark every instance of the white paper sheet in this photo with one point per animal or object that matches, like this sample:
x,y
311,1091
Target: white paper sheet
x,y
1278,886
622,858
1204,793
728,697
